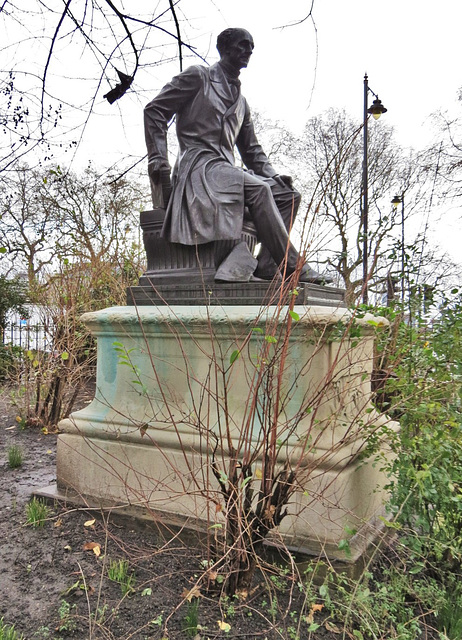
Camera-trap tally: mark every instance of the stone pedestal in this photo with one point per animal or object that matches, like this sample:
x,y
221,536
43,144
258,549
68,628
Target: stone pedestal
x,y
176,384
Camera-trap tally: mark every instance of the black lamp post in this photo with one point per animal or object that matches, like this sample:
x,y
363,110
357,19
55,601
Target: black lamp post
x,y
376,110
395,202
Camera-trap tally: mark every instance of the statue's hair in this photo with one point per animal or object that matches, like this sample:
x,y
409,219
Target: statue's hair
x,y
225,38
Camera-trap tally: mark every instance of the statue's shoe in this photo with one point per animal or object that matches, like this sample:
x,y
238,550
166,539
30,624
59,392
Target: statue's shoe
x,y
308,275
311,276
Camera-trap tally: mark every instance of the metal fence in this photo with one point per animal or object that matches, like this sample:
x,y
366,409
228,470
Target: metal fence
x,y
27,336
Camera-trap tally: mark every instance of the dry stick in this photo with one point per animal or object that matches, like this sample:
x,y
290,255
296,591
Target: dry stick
x,y
88,601
100,587
178,33
53,40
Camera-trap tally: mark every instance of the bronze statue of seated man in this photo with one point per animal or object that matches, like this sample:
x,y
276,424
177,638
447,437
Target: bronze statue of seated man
x,y
206,196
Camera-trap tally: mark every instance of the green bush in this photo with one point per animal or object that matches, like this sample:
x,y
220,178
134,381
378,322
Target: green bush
x,y
10,360
426,475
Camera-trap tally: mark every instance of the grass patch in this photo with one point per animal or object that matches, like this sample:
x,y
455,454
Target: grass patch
x,y
15,456
36,512
8,632
118,572
191,619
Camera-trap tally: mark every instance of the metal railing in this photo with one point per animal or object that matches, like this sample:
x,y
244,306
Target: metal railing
x,y
27,336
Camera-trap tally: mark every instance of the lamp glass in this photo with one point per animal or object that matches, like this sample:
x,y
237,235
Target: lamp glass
x,y
396,201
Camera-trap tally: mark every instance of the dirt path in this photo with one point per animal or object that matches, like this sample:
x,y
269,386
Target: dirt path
x,y
54,585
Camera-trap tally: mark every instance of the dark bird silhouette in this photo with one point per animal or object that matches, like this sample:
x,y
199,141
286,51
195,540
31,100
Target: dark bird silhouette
x,y
119,89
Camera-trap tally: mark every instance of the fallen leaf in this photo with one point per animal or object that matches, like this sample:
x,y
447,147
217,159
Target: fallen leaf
x,y
49,451
58,522
189,594
224,626
218,508
314,607
242,594
89,523
332,628
93,546
258,473
269,512
68,547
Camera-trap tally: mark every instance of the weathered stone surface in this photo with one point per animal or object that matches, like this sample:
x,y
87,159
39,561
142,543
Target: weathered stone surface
x,y
146,439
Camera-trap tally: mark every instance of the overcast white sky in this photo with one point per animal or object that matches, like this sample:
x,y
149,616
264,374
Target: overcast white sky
x,y
410,49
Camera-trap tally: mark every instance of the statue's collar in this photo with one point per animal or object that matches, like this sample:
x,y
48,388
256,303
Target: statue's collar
x,y
221,84
230,72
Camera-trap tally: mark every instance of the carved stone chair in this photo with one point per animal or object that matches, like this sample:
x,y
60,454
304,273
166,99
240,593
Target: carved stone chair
x,y
169,263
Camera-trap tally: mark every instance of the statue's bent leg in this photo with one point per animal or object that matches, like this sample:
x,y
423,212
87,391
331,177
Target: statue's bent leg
x,y
287,201
270,225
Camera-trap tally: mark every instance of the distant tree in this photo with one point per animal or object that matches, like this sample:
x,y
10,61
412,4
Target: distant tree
x,y
56,215
28,230
444,156
13,298
330,156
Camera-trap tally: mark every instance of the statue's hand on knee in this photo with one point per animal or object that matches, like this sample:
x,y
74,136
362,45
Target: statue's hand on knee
x,y
284,181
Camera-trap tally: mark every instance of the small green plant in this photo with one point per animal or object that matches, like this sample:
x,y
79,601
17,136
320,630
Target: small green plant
x,y
15,456
278,582
191,619
44,633
229,606
66,612
36,512
156,622
8,632
272,607
118,572
292,633
450,615
99,616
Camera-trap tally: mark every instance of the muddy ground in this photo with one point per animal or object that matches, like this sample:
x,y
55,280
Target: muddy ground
x,y
54,579
54,585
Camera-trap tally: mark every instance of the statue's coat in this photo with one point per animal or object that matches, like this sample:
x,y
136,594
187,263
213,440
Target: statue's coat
x,y
207,201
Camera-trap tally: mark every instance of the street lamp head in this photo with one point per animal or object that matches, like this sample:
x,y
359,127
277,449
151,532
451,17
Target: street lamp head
x,y
376,109
396,201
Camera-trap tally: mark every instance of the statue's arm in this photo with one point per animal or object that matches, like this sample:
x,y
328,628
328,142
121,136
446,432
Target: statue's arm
x,y
159,112
250,149
157,115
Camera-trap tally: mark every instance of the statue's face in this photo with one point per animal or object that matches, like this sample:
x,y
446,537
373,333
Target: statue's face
x,y
239,49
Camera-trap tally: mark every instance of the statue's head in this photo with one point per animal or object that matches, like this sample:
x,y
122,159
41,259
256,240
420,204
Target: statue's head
x,y
235,47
